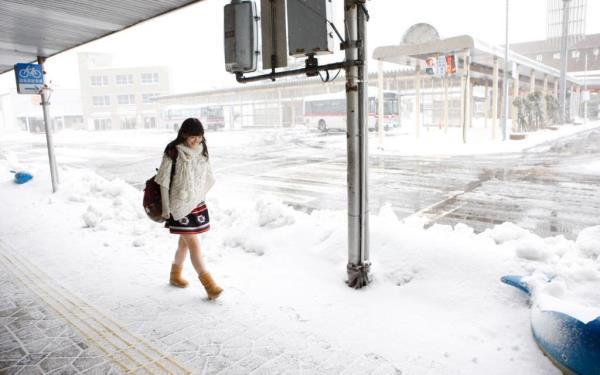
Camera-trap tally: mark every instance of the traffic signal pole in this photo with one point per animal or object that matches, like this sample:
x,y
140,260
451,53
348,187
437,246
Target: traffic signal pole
x,y
358,266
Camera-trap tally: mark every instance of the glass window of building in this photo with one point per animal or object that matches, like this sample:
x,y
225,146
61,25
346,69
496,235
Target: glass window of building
x,y
128,122
124,79
99,80
149,97
102,124
101,100
149,122
150,78
126,99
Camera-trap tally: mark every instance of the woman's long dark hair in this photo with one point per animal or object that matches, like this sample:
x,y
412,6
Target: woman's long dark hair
x,y
191,127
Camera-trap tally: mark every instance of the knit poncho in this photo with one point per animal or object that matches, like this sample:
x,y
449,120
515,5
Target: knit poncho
x,y
192,180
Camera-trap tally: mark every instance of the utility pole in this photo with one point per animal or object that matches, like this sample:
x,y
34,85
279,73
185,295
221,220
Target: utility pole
x,y
504,117
44,94
563,61
356,101
586,94
355,64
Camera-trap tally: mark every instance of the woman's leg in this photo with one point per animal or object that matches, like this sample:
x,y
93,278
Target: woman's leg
x,y
177,266
212,289
181,253
193,244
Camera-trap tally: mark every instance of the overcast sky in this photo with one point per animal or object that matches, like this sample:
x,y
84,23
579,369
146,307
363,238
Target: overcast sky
x,y
190,40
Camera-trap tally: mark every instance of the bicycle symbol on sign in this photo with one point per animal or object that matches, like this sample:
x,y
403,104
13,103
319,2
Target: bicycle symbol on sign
x,y
30,71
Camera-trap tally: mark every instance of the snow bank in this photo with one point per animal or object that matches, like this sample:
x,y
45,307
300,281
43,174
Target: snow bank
x,y
434,290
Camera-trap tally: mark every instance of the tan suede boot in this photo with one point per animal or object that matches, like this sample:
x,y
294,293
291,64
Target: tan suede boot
x,y
176,279
212,289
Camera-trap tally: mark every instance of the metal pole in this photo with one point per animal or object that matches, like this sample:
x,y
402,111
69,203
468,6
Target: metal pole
x,y
486,105
563,61
445,105
545,91
495,99
515,110
363,97
48,127
418,101
380,114
504,118
532,82
356,102
585,91
467,93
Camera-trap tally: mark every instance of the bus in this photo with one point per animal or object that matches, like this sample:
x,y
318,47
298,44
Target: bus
x,y
211,115
328,111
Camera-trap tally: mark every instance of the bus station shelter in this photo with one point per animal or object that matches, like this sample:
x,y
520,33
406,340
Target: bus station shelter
x,y
477,65
32,29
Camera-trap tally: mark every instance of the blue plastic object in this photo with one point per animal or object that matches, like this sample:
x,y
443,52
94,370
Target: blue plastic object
x,y
22,177
517,282
573,346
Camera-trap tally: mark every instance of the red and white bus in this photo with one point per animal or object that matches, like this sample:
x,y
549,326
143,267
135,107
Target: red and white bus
x,y
328,111
211,115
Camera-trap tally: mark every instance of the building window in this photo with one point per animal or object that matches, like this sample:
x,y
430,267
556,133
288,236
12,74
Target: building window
x,y
102,124
101,100
124,79
539,58
126,99
128,122
150,78
150,122
556,56
149,98
575,54
99,80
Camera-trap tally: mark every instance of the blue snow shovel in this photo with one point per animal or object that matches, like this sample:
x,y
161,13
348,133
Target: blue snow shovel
x,y
22,177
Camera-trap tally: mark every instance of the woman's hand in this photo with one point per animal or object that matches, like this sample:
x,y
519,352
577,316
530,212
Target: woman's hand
x,y
165,215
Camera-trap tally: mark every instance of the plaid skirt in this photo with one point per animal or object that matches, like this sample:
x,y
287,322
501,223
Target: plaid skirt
x,y
195,222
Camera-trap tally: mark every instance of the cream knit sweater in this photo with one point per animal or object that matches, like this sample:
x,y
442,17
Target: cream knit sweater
x,y
192,180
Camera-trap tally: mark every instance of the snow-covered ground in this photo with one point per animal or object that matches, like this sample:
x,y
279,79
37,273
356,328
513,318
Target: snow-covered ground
x,y
398,141
435,306
480,139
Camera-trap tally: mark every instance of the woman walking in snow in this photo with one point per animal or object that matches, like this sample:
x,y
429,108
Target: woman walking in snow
x,y
185,161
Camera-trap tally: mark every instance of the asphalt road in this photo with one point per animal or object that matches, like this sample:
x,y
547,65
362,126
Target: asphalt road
x,y
543,189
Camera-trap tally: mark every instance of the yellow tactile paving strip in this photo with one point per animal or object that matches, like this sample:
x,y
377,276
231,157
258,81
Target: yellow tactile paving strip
x,y
129,352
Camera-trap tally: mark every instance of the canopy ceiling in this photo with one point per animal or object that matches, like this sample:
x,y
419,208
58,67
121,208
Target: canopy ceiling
x,y
31,28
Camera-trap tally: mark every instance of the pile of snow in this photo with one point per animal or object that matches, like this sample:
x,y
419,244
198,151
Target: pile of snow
x,y
565,274
435,300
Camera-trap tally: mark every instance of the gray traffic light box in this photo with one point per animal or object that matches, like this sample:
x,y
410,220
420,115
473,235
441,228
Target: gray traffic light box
x,y
308,29
241,36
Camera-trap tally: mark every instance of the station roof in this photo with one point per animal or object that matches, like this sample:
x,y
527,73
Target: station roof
x,y
481,53
31,28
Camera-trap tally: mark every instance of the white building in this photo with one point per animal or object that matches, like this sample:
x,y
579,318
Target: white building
x,y
119,98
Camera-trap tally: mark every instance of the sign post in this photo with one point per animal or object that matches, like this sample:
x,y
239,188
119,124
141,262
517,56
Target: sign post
x,y
30,80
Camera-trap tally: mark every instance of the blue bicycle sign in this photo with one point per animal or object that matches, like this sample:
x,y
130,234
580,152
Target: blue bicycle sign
x,y
30,72
30,78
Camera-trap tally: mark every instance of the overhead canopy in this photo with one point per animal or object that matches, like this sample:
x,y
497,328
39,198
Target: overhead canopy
x,y
31,28
481,53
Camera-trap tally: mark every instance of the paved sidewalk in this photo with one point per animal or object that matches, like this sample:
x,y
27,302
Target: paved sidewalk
x,y
34,340
39,327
